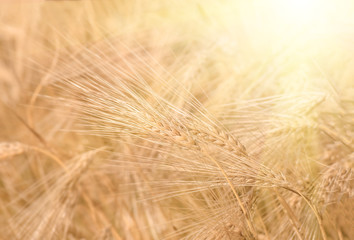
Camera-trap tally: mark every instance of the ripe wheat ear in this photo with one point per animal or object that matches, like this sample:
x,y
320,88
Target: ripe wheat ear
x,y
129,106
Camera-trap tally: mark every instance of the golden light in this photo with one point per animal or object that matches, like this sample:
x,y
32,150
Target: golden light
x,y
270,25
297,14
309,14
299,11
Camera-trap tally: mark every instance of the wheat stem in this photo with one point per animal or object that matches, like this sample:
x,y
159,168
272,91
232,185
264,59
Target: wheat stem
x,y
245,213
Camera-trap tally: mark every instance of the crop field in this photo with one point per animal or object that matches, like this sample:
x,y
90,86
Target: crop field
x,y
176,119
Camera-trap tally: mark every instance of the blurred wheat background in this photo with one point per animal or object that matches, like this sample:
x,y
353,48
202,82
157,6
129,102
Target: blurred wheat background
x,y
176,119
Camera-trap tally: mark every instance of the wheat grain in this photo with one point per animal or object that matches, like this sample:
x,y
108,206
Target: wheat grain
x,y
10,149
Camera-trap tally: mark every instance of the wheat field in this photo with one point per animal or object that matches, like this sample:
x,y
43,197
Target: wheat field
x,y
176,119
